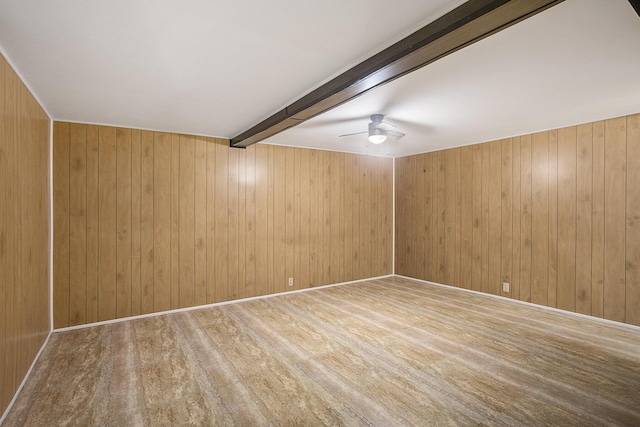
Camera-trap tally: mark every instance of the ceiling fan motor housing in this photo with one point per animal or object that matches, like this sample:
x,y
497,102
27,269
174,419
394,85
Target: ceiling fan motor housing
x,y
377,118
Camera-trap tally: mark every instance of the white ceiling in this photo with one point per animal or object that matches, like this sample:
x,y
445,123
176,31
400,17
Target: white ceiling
x,y
574,63
209,67
218,67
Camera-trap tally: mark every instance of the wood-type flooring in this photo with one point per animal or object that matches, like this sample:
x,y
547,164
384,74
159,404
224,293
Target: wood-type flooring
x,y
387,352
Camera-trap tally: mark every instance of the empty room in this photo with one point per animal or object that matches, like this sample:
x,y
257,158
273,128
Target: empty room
x,y
289,213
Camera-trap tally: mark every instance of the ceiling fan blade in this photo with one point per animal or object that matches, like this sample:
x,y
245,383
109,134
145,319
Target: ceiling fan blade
x,y
386,126
351,134
395,134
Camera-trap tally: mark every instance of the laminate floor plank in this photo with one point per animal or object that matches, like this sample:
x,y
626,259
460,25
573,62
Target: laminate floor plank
x,y
384,352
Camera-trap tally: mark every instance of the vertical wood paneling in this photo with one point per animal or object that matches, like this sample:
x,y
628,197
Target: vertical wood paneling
x,y
614,219
136,203
495,217
386,199
297,232
200,221
358,212
221,206
466,215
304,219
433,160
416,243
539,217
476,266
507,214
597,233
327,222
61,245
262,218
376,217
553,219
233,225
21,161
175,221
633,221
314,218
417,212
11,138
6,140
242,224
333,189
250,222
408,238
441,273
320,226
162,221
517,219
107,232
484,181
77,224
208,223
449,220
486,153
526,219
211,220
566,291
584,209
289,168
146,224
123,222
347,217
458,209
270,219
401,223
555,213
427,207
334,215
25,230
279,221
92,222
421,215
187,221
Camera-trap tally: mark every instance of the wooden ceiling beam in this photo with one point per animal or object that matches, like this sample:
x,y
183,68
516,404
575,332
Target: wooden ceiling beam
x,y
467,24
636,5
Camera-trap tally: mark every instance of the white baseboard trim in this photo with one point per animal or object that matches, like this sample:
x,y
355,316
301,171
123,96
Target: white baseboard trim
x,y
529,304
215,304
24,380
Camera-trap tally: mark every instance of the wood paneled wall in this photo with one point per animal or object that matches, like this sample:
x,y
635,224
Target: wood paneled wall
x,y
147,221
24,231
556,214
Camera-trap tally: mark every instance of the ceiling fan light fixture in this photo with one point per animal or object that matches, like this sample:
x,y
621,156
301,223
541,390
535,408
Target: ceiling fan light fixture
x,y
377,136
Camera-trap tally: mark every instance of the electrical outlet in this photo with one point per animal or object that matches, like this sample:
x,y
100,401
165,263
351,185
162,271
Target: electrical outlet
x,y
290,281
505,286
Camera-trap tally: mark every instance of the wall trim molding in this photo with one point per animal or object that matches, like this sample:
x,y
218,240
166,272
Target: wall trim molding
x,y
24,380
51,226
528,304
393,219
215,304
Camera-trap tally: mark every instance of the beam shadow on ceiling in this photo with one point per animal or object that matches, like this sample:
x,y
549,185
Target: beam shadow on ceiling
x,y
467,24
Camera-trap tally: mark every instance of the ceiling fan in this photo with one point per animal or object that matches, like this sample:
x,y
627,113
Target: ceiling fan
x,y
379,130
